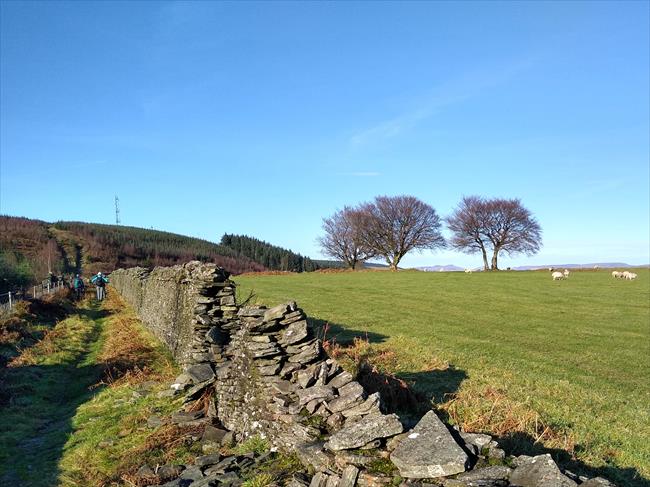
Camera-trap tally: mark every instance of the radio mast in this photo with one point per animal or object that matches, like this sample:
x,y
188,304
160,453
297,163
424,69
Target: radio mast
x,y
117,210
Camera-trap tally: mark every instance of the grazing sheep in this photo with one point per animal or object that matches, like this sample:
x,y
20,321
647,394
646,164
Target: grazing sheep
x,y
630,276
468,271
557,276
624,274
617,274
550,269
566,272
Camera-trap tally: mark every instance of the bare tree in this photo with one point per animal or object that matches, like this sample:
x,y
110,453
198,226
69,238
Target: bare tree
x,y
465,224
392,226
342,238
502,224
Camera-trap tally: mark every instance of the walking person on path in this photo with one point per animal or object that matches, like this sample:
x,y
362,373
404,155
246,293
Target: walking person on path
x,y
78,286
100,282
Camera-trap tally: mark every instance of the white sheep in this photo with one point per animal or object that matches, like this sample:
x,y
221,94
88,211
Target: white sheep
x,y
617,274
557,276
468,271
624,274
630,276
566,273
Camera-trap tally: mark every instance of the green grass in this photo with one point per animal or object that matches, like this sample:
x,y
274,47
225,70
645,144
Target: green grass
x,y
67,423
575,351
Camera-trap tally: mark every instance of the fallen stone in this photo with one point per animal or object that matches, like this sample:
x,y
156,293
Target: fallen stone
x,y
369,428
319,480
145,472
283,387
200,373
251,311
597,482
292,317
539,471
429,451
192,473
314,455
168,472
476,442
195,391
496,472
183,417
349,476
207,460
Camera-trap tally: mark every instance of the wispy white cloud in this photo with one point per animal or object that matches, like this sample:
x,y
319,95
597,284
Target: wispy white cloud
x,y
449,93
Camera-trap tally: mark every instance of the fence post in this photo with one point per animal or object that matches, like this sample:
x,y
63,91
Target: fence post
x,y
48,288
34,292
9,300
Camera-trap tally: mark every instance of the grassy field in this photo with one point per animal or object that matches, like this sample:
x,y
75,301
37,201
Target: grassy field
x,y
562,365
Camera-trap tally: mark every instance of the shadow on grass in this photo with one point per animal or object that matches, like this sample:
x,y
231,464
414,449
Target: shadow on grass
x,y
519,443
36,415
342,335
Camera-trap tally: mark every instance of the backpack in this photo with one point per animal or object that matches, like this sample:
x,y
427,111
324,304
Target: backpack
x,y
100,281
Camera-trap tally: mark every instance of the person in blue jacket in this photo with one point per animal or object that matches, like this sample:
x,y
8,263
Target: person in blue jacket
x,y
100,282
78,286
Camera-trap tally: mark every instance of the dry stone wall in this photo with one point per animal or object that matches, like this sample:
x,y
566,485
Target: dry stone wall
x,y
271,378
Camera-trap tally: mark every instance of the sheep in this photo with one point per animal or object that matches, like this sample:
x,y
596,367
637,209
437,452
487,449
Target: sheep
x,y
624,274
550,269
557,276
617,274
566,273
468,271
630,276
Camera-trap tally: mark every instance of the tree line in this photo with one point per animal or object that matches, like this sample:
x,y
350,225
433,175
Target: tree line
x,y
270,256
391,226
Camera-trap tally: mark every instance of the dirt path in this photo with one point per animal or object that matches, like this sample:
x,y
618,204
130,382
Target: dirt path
x,y
45,385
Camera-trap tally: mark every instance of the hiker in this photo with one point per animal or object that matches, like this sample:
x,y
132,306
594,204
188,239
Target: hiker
x,y
78,286
100,282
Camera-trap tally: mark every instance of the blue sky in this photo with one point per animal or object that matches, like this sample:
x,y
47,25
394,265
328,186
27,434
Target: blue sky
x,y
262,118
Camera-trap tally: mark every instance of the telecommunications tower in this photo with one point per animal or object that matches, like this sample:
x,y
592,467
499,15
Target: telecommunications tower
x,y
117,210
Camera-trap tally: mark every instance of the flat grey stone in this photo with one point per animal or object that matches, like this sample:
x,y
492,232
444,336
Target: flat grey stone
x,y
276,312
363,431
369,406
539,471
192,473
207,460
349,476
294,333
429,451
597,482
183,417
215,335
200,373
323,393
496,472
340,380
349,395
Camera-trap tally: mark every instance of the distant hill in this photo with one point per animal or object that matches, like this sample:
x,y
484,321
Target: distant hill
x,y
29,248
602,265
441,268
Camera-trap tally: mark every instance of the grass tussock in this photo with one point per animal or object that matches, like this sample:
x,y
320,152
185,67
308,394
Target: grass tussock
x,y
490,410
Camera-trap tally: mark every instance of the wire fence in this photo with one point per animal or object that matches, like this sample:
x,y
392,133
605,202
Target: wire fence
x,y
9,300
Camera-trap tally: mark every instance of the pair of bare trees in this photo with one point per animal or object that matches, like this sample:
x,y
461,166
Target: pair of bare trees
x,y
390,227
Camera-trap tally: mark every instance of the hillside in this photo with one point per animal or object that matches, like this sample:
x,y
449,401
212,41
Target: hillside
x,y
31,248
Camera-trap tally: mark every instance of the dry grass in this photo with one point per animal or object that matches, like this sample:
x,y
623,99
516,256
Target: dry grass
x,y
489,410
127,356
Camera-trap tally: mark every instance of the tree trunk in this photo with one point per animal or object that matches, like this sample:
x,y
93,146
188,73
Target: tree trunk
x,y
485,261
495,267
